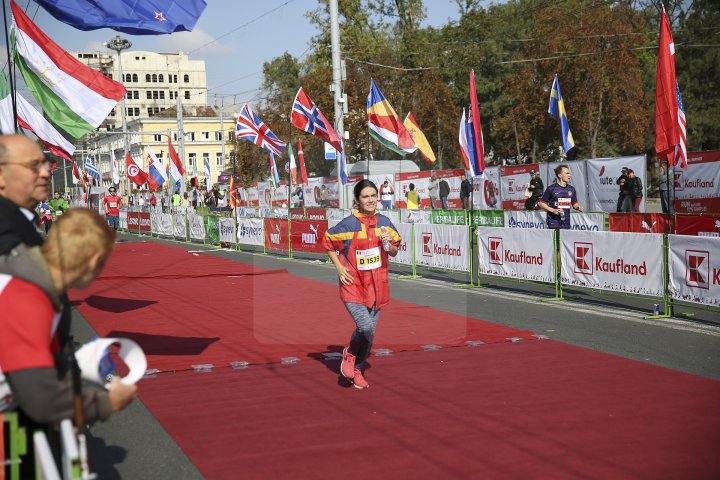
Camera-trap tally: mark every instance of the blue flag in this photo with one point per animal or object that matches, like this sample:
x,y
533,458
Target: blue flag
x,y
148,17
557,110
91,169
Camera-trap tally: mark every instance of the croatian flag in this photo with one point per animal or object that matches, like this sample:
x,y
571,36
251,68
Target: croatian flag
x,y
158,174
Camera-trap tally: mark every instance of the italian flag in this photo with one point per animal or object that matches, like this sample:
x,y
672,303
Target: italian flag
x,y
76,97
32,120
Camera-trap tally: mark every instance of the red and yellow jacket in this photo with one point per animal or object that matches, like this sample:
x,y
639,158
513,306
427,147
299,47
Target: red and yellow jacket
x,y
357,239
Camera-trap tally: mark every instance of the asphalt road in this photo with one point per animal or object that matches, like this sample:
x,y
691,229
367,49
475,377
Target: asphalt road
x,y
133,445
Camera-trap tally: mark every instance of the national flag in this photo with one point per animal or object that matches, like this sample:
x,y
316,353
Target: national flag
x,y
666,106
134,173
343,167
30,119
158,173
251,128
293,166
680,156
149,17
463,141
419,138
273,171
477,160
91,169
208,182
76,97
176,168
115,169
233,200
307,117
557,110
77,179
303,170
384,124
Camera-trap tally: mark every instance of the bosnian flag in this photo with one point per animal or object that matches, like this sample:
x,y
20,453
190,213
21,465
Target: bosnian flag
x,y
385,125
307,117
176,169
158,174
76,97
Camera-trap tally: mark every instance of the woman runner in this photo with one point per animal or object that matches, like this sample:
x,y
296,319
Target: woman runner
x,y
362,268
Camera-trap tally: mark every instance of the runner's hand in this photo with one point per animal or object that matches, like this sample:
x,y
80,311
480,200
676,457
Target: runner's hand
x,y
344,275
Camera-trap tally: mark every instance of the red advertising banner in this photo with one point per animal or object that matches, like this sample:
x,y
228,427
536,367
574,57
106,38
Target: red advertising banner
x,y
697,205
307,235
139,221
297,213
421,180
514,181
315,214
276,234
640,222
698,225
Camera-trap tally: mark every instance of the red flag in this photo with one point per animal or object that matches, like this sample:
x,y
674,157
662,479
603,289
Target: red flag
x,y
307,117
134,172
175,159
477,127
76,174
666,106
233,200
301,158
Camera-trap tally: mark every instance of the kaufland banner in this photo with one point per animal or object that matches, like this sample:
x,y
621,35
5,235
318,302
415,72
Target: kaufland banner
x,y
486,190
602,175
442,246
333,191
250,231
280,196
694,269
514,253
252,196
197,227
227,230
514,181
525,219
404,255
165,226
621,262
697,189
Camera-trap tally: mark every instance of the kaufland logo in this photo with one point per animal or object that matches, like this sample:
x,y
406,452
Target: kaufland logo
x,y
678,181
697,269
583,258
427,244
495,249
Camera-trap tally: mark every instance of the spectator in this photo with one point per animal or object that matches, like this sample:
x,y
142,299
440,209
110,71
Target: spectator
x,y
112,203
323,196
558,198
444,189
621,183
186,200
638,190
465,192
663,179
387,192
58,205
629,187
176,199
536,188
433,191
153,199
412,197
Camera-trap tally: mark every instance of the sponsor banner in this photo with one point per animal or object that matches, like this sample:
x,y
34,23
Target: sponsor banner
x,y
485,192
415,216
701,180
213,228
698,225
179,228
139,221
315,214
252,196
297,213
514,180
264,193
587,221
155,222
621,262
488,218
512,253
276,234
578,170
333,191
227,230
308,235
421,180
448,217
246,212
123,219
602,175
694,269
311,192
250,231
697,205
393,215
280,196
337,213
404,255
442,246
452,177
197,227
279,212
165,225
639,222
525,219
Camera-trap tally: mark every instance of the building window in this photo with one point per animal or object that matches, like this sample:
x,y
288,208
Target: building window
x,y
186,78
161,78
175,137
156,109
150,112
192,159
230,136
130,112
190,136
137,111
219,160
149,95
205,135
137,58
147,77
187,94
155,94
137,94
135,77
112,112
218,136
157,138
172,95
162,94
154,78
109,75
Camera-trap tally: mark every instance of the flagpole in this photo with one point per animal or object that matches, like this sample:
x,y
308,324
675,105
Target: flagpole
x,y
11,74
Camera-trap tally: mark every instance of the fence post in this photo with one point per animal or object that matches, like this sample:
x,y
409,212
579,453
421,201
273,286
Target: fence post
x,y
667,304
412,254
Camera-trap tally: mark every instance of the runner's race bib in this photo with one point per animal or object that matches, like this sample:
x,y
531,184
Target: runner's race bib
x,y
368,259
564,203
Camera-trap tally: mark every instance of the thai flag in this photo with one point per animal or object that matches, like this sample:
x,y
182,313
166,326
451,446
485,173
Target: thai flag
x,y
680,149
251,128
158,174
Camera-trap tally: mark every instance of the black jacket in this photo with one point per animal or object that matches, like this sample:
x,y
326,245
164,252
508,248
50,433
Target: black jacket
x,y
15,228
465,188
536,186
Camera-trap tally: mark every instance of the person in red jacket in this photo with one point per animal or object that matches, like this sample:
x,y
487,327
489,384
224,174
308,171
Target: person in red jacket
x,y
359,247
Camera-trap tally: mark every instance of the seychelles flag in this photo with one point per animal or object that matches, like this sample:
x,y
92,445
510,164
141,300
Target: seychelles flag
x,y
384,124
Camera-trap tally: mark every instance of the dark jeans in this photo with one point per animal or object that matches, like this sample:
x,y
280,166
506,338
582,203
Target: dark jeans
x,y
443,201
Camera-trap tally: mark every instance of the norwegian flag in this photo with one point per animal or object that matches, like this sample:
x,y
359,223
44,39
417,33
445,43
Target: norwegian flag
x,y
680,149
251,128
307,117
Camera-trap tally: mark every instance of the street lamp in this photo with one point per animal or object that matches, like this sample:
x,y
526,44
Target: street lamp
x,y
119,44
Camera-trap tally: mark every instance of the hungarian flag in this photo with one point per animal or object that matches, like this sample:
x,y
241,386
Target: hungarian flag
x,y
303,170
134,173
384,124
666,106
418,136
76,97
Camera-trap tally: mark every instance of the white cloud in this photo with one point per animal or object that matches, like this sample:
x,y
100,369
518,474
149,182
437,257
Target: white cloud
x,y
189,41
95,46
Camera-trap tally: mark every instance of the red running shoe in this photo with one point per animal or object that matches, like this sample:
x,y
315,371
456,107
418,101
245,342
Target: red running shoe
x,y
359,381
347,366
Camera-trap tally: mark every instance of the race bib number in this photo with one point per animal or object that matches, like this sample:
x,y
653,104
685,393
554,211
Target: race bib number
x,y
563,203
368,259
112,204
58,212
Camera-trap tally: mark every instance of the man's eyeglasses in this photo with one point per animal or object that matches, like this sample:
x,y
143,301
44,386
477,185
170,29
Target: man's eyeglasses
x,y
35,166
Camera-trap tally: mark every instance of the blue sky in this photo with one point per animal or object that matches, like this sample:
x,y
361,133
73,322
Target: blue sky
x,y
242,32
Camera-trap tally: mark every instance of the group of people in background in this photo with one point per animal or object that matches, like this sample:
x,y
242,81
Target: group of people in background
x,y
631,191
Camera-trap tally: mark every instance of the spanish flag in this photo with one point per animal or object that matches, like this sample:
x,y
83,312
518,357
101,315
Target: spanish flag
x,y
419,137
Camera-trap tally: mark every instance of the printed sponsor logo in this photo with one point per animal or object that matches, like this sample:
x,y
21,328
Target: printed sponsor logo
x,y
593,228
246,231
513,223
447,250
523,257
310,238
275,237
427,250
607,180
697,269
226,230
620,266
583,258
495,248
647,227
678,181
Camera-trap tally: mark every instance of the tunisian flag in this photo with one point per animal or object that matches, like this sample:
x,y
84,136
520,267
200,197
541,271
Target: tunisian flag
x,y
134,172
666,106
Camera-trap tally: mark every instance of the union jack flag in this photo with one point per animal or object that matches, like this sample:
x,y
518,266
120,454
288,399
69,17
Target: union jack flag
x,y
251,128
680,148
307,117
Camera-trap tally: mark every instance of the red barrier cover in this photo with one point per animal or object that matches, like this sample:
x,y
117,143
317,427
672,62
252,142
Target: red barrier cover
x,y
143,218
307,235
640,222
315,214
698,225
276,234
297,213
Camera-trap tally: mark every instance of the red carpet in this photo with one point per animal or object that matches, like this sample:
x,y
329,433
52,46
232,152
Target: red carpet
x,y
526,410
187,309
